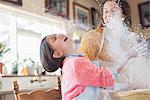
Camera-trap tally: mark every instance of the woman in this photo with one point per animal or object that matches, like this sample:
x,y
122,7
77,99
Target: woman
x,y
93,44
105,43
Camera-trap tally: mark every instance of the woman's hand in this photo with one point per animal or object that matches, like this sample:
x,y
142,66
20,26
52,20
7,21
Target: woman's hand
x,y
138,50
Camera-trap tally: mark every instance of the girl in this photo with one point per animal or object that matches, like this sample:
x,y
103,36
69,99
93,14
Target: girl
x,y
77,71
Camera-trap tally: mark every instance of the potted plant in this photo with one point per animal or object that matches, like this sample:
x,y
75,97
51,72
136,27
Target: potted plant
x,y
3,50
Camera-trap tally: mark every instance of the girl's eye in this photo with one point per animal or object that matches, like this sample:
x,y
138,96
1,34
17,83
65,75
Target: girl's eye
x,y
54,38
114,9
105,12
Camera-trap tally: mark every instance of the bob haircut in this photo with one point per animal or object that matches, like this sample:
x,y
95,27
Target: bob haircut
x,y
49,63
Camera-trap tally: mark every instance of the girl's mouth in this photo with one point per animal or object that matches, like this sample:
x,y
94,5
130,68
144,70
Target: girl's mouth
x,y
65,39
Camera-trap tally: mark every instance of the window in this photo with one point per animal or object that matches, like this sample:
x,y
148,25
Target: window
x,y
23,33
28,44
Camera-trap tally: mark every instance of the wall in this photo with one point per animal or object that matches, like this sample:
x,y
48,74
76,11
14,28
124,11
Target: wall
x,y
33,8
86,3
37,6
135,15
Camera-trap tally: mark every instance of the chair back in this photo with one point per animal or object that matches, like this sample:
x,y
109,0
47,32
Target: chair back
x,y
51,94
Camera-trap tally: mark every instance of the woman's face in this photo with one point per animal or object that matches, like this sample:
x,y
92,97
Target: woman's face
x,y
110,9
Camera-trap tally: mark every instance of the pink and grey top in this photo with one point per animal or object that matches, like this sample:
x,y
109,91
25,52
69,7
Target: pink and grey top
x,y
78,73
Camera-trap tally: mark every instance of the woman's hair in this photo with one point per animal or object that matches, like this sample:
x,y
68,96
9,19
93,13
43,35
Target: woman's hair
x,y
49,63
123,4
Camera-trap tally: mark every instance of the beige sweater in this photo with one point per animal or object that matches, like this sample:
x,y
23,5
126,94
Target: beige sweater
x,y
91,45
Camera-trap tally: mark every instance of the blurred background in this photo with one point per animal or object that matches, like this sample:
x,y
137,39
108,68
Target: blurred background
x,y
23,23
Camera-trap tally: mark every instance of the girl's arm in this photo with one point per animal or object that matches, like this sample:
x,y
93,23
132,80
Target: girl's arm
x,y
87,74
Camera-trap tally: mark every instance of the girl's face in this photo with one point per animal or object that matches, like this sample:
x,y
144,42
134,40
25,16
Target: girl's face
x,y
60,42
110,8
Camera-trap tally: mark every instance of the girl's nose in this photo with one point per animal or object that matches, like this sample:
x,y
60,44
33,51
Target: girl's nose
x,y
61,35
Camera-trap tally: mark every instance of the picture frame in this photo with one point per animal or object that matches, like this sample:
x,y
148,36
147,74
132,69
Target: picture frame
x,y
96,20
18,2
144,14
57,7
81,14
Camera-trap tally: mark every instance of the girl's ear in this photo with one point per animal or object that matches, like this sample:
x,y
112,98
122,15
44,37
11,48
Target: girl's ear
x,y
57,54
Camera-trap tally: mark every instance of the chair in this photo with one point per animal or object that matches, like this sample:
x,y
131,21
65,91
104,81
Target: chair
x,y
51,94
139,94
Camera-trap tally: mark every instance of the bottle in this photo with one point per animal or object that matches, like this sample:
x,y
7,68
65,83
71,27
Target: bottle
x,y
0,83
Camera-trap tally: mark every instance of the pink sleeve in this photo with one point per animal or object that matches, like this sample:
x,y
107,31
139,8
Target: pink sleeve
x,y
89,75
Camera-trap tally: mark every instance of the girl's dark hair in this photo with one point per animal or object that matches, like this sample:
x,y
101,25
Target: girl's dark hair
x,y
49,63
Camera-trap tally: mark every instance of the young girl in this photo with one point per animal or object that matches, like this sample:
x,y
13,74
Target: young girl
x,y
77,71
